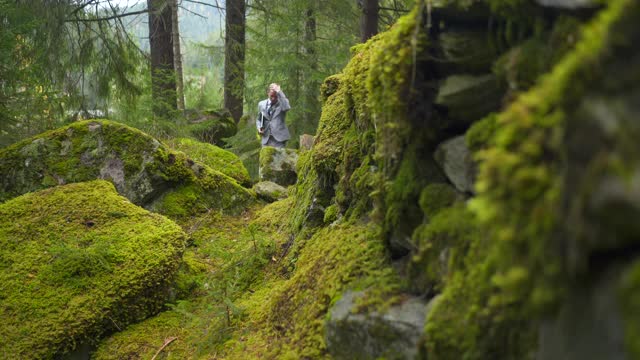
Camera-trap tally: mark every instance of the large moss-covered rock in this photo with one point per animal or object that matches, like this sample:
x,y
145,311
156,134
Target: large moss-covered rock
x,y
216,158
77,262
141,168
278,165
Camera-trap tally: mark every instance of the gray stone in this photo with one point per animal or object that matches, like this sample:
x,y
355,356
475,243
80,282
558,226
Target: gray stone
x,y
456,161
393,334
569,4
270,191
278,165
468,98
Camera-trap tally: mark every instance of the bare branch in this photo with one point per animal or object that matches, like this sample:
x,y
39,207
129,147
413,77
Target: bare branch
x,y
107,18
217,6
192,12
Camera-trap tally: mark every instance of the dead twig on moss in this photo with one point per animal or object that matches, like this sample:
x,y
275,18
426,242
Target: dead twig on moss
x,y
166,342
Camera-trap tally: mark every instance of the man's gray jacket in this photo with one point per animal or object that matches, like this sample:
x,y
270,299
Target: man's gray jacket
x,y
274,124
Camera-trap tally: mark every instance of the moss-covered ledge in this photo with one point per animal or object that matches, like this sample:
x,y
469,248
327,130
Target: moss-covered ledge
x,y
77,262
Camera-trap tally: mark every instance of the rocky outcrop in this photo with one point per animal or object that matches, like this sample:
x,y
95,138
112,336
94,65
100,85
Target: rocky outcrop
x,y
391,334
278,165
141,168
80,261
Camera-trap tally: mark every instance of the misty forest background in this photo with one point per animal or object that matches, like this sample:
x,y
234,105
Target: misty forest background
x,y
65,60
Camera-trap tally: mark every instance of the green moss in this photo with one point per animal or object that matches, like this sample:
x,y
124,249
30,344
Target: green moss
x,y
519,182
226,261
435,197
141,168
266,158
389,83
289,314
79,261
516,271
216,158
629,295
331,214
329,86
246,144
441,245
521,67
480,133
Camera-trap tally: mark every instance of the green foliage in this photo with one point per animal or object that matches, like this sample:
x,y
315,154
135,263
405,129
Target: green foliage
x,y
79,261
291,49
53,69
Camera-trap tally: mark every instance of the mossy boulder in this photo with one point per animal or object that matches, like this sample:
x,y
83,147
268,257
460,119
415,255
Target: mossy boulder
x,y
278,165
215,157
77,262
141,168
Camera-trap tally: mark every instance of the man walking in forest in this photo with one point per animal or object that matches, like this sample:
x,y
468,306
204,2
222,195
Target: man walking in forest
x,y
271,118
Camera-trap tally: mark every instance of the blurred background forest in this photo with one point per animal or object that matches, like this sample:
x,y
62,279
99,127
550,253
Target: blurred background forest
x,y
65,60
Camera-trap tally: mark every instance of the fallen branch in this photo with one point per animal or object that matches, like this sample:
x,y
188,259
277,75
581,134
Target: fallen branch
x,y
166,342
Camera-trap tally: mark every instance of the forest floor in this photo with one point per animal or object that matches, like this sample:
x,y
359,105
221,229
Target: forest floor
x,y
227,260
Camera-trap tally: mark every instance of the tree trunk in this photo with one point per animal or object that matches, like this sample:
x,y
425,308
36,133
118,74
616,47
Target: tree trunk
x,y
368,19
311,113
163,79
177,54
234,58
